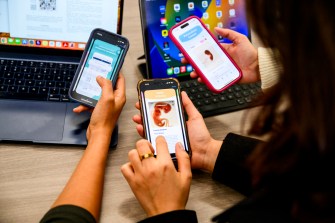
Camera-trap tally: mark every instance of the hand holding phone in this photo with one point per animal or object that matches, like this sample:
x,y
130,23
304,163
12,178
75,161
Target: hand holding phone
x,y
103,56
209,59
162,112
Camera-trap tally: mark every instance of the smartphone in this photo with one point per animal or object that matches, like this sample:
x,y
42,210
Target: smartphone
x,y
103,55
162,112
208,58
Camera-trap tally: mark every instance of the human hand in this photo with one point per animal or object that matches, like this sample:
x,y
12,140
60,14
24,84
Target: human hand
x,y
107,111
156,183
243,53
204,148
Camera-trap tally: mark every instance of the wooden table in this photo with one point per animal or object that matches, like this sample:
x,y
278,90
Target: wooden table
x,y
32,176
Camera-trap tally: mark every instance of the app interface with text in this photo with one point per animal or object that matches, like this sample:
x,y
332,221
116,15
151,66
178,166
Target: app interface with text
x,y
102,60
208,56
163,115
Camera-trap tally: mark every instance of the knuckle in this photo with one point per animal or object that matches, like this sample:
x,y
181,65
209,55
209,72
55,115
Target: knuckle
x,y
141,143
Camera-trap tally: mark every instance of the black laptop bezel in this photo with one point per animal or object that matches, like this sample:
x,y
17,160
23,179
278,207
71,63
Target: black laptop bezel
x,y
145,32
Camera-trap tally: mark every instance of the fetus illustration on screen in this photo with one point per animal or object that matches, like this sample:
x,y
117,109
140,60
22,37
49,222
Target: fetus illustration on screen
x,y
161,108
209,54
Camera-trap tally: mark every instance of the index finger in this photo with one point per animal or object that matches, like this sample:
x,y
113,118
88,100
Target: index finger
x,y
162,150
120,87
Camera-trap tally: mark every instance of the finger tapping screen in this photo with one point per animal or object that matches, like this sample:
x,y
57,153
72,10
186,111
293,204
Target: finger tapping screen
x,y
102,60
206,53
162,108
158,16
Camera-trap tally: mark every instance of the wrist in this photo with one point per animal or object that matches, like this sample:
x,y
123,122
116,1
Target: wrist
x,y
211,155
99,136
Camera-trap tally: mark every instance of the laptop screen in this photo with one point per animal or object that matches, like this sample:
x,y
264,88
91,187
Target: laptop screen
x,y
56,24
158,16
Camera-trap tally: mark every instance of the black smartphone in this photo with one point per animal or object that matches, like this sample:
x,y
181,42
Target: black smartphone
x,y
103,55
162,112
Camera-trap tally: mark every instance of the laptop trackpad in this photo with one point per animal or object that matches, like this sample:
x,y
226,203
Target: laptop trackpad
x,y
32,121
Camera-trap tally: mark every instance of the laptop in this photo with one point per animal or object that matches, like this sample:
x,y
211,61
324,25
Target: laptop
x,y
163,58
41,43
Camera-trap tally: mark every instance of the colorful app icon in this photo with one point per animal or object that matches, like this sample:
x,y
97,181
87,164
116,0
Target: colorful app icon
x,y
58,44
52,43
166,56
232,12
81,45
218,3
180,54
176,7
231,2
178,19
17,41
65,44
183,69
204,4
189,68
190,6
169,71
220,25
165,33
176,70
24,42
232,25
31,42
205,15
219,14
162,9
166,45
3,40
45,43
72,45
38,42
10,40
163,21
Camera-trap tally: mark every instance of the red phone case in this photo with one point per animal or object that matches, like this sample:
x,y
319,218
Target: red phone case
x,y
196,68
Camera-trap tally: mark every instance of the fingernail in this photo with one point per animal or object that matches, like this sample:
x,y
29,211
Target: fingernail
x,y
180,146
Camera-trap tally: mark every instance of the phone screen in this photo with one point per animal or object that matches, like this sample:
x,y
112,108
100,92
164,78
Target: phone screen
x,y
206,53
102,59
158,16
162,113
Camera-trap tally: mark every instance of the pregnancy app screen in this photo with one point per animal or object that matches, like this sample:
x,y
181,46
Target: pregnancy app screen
x,y
208,56
163,115
102,60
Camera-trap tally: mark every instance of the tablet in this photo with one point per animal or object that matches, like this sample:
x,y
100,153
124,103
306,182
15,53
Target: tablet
x,y
158,16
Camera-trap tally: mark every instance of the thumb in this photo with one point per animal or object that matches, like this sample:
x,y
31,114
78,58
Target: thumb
x,y
105,84
184,162
191,110
229,34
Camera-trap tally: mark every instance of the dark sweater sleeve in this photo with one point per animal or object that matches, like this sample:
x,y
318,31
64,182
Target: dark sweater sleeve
x,y
68,214
172,217
230,168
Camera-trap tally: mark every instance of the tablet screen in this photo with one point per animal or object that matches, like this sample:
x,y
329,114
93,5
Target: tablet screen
x,y
158,16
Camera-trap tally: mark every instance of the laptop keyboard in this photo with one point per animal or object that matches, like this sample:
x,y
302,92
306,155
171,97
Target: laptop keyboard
x,y
35,80
236,97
